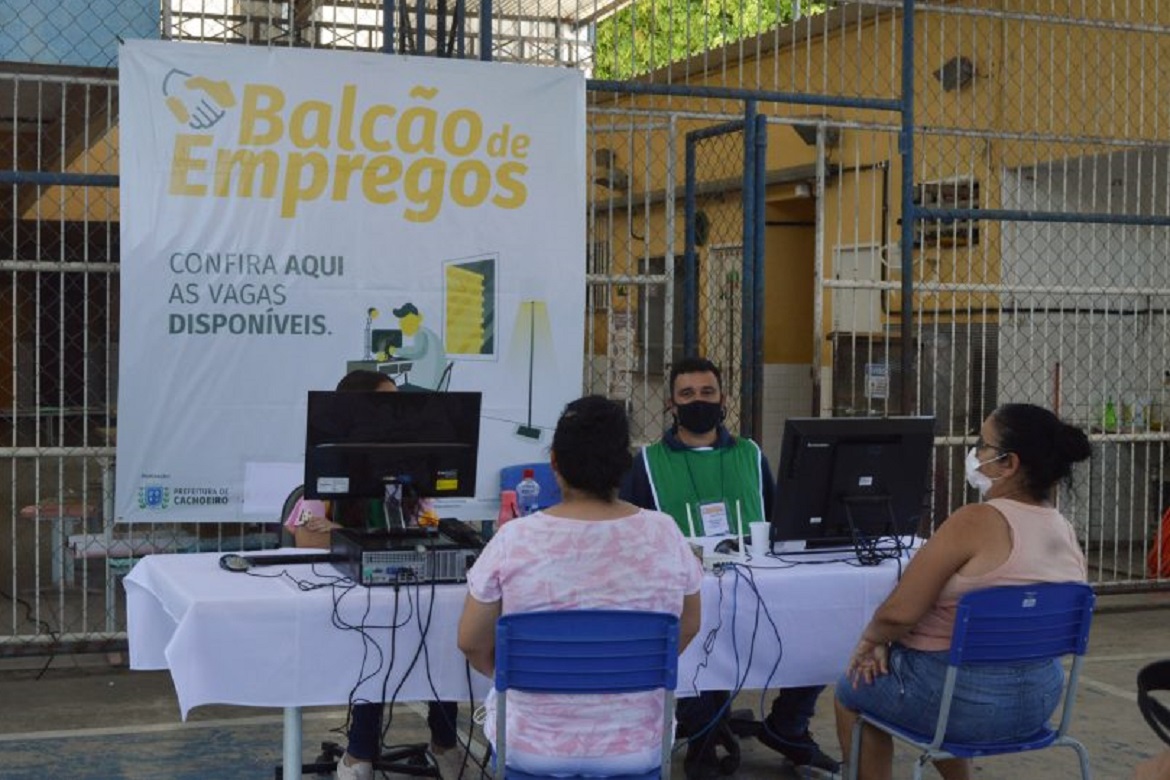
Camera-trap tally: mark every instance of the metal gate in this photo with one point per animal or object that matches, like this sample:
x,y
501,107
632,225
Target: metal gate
x,y
688,290
948,206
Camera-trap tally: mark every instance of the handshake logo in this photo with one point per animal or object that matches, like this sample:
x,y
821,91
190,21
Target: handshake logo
x,y
197,101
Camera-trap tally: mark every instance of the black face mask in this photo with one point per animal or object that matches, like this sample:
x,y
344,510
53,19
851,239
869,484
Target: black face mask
x,y
699,416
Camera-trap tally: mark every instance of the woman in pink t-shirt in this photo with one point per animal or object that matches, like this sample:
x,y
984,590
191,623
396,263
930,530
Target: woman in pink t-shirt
x,y
591,551
1015,536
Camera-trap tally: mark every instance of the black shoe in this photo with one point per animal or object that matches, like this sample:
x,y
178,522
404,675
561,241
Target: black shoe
x,y
800,749
701,761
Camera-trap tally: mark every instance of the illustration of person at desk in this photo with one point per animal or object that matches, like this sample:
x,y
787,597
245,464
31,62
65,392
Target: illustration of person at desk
x,y
419,364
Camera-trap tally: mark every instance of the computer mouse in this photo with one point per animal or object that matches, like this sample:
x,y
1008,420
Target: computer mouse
x,y
234,562
727,546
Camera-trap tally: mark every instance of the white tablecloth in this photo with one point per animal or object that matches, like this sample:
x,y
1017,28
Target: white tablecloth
x,y
230,638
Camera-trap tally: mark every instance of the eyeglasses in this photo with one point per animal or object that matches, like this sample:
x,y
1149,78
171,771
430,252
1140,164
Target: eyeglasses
x,y
982,445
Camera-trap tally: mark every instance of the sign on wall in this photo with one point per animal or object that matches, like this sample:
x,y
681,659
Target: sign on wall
x,y
289,215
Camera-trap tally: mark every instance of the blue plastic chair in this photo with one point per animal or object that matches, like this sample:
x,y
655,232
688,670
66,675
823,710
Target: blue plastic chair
x,y
1005,625
550,492
586,651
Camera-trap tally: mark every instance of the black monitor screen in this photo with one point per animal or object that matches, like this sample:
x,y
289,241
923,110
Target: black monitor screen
x,y
382,340
841,476
358,442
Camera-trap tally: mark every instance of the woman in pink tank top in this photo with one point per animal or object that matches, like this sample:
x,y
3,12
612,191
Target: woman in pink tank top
x,y
1013,536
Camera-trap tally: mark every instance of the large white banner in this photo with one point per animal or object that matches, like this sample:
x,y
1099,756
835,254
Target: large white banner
x,y
289,215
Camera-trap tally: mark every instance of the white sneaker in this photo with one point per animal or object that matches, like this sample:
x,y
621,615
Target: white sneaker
x,y
358,770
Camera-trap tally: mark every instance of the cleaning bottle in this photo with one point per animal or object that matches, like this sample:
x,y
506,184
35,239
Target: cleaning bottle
x,y
1109,418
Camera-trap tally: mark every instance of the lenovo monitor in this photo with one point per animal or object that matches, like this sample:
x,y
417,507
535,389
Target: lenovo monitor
x,y
848,480
359,443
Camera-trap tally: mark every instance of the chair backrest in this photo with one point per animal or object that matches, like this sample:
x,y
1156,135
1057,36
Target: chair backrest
x,y
284,536
586,651
550,492
444,383
1022,623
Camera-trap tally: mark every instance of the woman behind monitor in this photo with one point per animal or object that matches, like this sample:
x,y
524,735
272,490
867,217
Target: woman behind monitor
x,y
591,551
310,522
1014,536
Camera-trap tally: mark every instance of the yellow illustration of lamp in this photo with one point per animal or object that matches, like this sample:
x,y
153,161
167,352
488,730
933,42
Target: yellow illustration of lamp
x,y
531,324
371,315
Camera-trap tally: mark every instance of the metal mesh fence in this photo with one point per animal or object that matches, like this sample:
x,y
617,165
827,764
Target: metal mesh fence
x,y
1037,166
638,307
634,301
719,262
1052,123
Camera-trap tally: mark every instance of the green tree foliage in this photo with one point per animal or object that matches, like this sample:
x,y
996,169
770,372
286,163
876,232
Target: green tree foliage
x,y
650,34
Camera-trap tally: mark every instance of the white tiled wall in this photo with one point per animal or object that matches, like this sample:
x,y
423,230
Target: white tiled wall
x,y
787,393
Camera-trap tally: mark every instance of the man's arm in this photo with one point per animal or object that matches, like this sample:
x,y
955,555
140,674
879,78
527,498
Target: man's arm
x,y
635,487
690,620
768,485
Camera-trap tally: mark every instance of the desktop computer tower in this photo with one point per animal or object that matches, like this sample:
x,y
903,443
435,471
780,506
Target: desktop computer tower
x,y
398,556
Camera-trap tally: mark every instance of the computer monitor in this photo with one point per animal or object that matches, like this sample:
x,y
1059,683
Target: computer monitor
x,y
358,443
848,479
383,339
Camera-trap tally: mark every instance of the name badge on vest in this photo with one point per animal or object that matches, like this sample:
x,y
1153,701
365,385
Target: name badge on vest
x,y
714,517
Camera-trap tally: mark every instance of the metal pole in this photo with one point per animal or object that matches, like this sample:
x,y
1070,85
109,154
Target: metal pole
x,y
388,11
485,30
420,27
690,307
818,323
909,218
747,289
761,193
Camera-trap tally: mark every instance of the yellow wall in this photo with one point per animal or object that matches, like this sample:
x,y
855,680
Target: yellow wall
x,y
75,204
1030,78
788,283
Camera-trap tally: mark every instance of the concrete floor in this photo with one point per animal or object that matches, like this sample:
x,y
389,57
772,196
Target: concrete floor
x,y
86,718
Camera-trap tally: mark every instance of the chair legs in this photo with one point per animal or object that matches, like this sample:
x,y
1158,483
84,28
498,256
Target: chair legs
x,y
1082,756
853,765
854,757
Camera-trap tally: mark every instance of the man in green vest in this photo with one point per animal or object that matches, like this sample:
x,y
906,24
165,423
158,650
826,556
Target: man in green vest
x,y
710,481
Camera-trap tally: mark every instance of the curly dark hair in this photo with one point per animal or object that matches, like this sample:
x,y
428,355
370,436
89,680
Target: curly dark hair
x,y
1046,446
592,445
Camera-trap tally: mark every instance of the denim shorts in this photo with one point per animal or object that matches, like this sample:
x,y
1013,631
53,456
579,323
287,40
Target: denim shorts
x,y
993,703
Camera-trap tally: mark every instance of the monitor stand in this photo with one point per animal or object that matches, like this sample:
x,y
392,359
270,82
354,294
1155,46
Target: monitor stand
x,y
871,549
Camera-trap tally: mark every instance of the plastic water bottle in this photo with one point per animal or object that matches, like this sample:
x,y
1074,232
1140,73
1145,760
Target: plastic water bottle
x,y
527,493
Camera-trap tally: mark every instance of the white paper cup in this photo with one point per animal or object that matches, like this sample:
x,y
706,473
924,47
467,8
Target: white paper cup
x,y
759,537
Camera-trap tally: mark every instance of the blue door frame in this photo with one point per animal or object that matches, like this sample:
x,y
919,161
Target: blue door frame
x,y
755,146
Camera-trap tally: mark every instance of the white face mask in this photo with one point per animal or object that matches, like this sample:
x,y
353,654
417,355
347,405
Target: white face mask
x,y
976,478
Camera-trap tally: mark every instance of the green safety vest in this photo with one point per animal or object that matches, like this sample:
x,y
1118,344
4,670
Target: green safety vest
x,y
358,513
682,478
